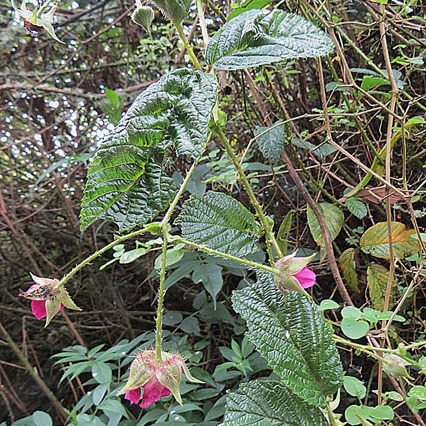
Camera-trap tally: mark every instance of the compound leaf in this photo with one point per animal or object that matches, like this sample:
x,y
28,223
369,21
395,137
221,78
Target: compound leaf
x,y
260,36
219,222
375,240
291,334
125,182
269,403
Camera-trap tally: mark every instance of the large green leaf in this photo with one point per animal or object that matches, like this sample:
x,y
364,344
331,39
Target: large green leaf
x,y
375,240
271,142
333,218
259,37
219,222
126,183
291,334
262,402
377,279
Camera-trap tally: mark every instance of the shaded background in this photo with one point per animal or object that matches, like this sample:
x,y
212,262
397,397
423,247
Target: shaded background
x,y
53,110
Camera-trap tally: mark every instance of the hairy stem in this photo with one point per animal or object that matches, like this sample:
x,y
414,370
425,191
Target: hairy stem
x,y
265,224
98,253
188,46
165,231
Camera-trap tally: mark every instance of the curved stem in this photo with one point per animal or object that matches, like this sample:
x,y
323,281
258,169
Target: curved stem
x,y
159,320
203,25
253,199
164,227
188,46
98,253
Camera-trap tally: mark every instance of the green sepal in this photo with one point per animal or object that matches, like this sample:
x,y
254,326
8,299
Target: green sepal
x,y
66,300
291,264
52,308
189,376
140,373
287,282
171,380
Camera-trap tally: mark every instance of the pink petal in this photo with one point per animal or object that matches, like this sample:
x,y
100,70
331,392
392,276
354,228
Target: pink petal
x,y
133,395
153,390
38,307
306,277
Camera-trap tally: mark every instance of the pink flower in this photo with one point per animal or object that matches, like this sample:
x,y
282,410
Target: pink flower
x,y
38,308
306,277
47,298
153,390
157,378
293,274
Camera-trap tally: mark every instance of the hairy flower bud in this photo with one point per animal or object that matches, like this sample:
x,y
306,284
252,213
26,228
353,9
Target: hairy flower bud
x,y
293,273
46,299
143,16
155,378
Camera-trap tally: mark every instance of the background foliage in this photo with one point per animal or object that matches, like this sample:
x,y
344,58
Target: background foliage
x,y
57,101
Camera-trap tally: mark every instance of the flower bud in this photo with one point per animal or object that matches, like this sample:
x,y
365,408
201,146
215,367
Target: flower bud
x,y
46,299
155,378
143,16
293,273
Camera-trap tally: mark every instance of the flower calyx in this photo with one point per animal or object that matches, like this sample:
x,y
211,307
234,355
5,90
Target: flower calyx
x,y
47,299
39,19
143,16
293,273
152,379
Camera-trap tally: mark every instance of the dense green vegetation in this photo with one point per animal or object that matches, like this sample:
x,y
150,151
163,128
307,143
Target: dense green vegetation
x,y
186,176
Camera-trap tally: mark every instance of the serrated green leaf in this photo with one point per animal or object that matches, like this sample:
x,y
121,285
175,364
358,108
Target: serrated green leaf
x,y
375,240
262,402
377,279
356,207
219,222
271,142
333,218
126,183
347,263
259,37
291,334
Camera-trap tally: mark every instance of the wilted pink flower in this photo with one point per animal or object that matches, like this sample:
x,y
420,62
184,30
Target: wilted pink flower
x,y
293,274
306,277
38,308
152,379
46,299
153,390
